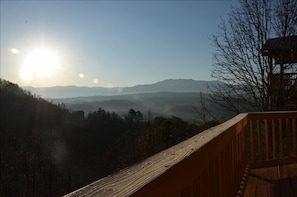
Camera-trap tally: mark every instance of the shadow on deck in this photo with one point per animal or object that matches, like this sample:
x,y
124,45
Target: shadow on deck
x,y
276,181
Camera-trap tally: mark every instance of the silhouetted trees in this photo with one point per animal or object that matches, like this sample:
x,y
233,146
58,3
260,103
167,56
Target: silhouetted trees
x,y
46,150
238,61
30,128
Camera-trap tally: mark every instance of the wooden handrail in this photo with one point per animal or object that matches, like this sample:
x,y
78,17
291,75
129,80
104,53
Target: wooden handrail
x,y
211,163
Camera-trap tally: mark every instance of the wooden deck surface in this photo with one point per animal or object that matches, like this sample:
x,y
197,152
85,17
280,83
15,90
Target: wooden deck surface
x,y
277,181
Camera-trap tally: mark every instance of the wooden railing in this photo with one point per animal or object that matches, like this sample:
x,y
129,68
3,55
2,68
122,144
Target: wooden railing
x,y
212,163
272,138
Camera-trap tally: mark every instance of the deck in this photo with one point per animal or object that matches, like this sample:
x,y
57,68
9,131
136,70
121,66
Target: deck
x,y
276,181
252,154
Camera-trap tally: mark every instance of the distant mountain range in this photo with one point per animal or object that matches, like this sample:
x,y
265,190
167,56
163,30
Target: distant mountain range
x,y
173,97
170,85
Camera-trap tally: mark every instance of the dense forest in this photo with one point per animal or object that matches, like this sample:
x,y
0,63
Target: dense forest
x,y
47,150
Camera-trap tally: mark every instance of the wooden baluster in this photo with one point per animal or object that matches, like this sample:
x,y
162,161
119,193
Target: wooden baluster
x,y
252,139
260,147
294,136
273,138
288,138
266,140
281,149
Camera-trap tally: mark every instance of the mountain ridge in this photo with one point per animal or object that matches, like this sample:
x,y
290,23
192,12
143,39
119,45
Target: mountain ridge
x,y
168,85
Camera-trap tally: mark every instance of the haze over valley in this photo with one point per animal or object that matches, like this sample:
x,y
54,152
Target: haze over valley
x,y
173,97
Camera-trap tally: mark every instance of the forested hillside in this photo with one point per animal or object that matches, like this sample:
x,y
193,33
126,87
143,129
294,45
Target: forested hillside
x,y
47,150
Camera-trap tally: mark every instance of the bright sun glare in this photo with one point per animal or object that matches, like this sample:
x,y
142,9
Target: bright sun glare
x,y
39,63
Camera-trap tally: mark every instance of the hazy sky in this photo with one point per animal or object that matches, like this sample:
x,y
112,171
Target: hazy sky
x,y
107,43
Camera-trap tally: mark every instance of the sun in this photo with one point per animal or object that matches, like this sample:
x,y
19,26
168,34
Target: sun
x,y
40,63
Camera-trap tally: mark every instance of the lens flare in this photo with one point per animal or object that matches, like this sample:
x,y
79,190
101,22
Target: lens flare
x,y
95,81
81,75
14,51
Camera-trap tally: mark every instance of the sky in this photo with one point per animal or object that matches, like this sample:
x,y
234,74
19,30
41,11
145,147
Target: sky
x,y
107,43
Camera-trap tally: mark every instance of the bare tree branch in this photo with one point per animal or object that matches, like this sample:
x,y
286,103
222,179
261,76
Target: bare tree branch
x,y
238,61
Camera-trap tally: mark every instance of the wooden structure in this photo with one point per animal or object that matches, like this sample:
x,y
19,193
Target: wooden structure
x,y
282,85
284,91
216,162
282,50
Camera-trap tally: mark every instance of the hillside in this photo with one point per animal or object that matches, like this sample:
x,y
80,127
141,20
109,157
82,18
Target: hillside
x,y
31,133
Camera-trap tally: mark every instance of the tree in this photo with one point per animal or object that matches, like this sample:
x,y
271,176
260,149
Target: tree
x,y
134,117
238,61
204,113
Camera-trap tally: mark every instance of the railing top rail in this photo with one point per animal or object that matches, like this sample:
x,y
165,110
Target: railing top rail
x,y
131,179
272,115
